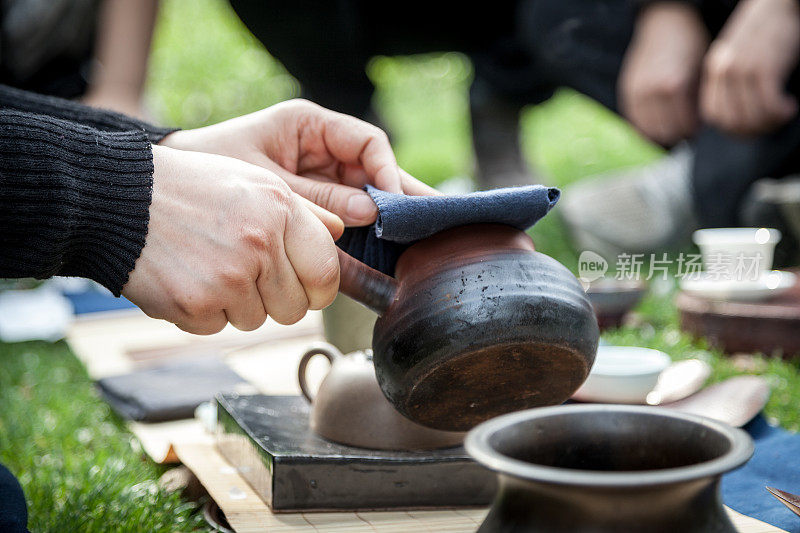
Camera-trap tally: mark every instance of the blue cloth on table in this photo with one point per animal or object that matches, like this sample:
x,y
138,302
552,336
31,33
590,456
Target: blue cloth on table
x,y
776,463
95,301
403,220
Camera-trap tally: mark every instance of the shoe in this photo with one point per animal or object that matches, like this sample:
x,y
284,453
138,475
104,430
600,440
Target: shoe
x,y
641,210
775,203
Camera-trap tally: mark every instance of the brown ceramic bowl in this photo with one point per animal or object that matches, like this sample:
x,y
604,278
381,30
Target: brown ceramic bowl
x,y
608,468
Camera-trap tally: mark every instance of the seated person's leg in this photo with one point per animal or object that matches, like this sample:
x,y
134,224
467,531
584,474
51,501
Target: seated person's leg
x,y
13,509
319,44
505,81
573,43
583,45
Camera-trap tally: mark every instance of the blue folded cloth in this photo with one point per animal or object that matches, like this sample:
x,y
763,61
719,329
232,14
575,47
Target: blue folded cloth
x,y
94,301
776,463
403,220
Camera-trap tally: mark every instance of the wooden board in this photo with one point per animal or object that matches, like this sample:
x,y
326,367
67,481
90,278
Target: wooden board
x,y
107,344
766,327
246,513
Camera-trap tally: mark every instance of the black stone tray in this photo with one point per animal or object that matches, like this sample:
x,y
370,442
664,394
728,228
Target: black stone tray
x,y
268,440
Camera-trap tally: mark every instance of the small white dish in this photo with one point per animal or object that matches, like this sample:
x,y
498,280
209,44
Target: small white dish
x,y
767,285
732,250
622,374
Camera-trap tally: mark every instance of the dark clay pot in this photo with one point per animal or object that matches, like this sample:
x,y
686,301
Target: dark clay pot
x,y
475,324
607,468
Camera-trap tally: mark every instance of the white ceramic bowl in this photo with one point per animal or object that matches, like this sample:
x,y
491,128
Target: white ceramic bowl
x,y
767,285
622,374
723,248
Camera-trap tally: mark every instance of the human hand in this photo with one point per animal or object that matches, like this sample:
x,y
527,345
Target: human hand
x,y
325,156
746,69
228,241
660,72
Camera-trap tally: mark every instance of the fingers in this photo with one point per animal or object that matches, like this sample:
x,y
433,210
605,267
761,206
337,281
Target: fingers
x,y
246,312
333,223
355,142
684,113
412,186
312,253
741,97
778,106
281,291
353,206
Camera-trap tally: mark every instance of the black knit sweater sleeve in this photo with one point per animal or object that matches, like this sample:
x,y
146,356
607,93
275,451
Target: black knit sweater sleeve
x,y
101,119
75,189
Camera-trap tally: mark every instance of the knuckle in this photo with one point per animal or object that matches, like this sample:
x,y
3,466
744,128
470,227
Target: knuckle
x,y
321,193
380,136
324,282
183,302
717,63
667,89
194,306
202,327
302,103
234,278
257,239
291,314
279,192
252,322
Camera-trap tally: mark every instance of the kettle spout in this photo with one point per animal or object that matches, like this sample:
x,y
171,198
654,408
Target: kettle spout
x,y
365,285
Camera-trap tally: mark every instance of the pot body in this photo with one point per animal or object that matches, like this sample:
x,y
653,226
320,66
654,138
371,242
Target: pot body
x,y
349,407
530,507
482,325
608,469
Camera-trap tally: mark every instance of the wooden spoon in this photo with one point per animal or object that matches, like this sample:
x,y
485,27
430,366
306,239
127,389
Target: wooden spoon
x,y
734,401
679,380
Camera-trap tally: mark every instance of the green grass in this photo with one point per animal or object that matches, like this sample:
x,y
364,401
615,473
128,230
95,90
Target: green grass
x,y
80,468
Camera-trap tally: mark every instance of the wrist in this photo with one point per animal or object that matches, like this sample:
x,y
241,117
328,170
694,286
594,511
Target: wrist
x,y
679,23
668,11
175,140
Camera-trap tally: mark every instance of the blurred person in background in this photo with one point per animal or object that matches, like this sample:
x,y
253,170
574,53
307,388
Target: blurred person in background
x,y
327,45
720,74
93,50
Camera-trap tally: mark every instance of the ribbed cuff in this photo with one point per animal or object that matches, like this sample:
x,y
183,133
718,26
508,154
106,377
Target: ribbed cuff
x,y
101,119
74,200
640,4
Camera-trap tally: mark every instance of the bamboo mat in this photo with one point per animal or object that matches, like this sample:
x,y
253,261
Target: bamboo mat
x,y
247,513
112,343
108,344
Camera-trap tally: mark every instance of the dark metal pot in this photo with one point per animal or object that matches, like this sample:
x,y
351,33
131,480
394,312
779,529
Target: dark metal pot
x,y
607,468
475,324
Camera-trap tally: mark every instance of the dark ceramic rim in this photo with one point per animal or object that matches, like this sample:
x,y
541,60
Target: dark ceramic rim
x,y
479,447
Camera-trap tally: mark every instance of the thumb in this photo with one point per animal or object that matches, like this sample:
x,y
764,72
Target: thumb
x,y
334,224
353,206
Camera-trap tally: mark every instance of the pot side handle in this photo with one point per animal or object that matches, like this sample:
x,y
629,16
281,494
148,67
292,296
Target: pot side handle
x,y
365,285
330,352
